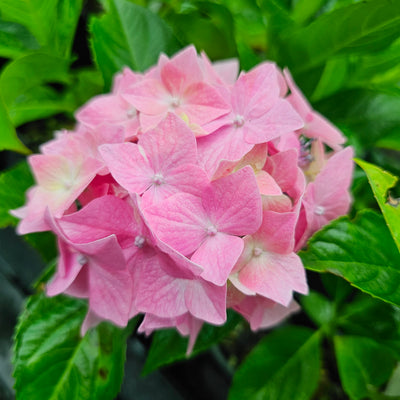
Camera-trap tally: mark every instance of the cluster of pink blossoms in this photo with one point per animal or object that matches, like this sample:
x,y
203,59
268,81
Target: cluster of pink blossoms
x,y
187,191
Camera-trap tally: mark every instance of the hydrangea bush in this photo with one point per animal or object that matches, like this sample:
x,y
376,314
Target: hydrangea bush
x,y
187,199
186,191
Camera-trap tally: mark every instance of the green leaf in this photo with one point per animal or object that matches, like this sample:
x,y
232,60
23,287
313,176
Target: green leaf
x,y
284,365
354,318
23,86
361,251
320,309
36,15
304,9
52,22
209,27
67,16
8,136
390,141
86,83
363,365
333,78
368,115
128,35
381,182
15,40
168,345
362,27
51,360
19,178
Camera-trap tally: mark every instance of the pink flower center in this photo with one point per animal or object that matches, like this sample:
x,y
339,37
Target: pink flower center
x,y
319,210
238,120
257,252
131,113
158,179
175,102
211,230
82,259
140,241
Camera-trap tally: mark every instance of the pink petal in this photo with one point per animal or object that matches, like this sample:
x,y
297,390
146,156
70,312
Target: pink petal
x,y
102,217
206,301
180,222
217,255
277,231
275,276
280,119
234,203
128,166
171,143
202,103
225,144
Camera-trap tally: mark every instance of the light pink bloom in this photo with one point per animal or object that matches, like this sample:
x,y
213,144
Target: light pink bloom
x,y
315,125
258,115
60,180
207,229
163,163
328,196
110,109
180,89
167,292
108,282
261,312
268,266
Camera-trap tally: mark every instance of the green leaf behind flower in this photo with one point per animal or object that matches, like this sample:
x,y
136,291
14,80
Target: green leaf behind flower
x,y
52,361
361,251
128,35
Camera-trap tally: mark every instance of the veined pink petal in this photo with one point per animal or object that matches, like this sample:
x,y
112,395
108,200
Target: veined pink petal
x,y
280,119
227,143
202,103
180,222
218,255
110,289
68,269
275,276
234,203
149,96
277,231
128,166
171,143
206,301
102,217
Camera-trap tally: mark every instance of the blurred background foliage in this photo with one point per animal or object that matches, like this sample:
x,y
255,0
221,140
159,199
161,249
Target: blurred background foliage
x,y
345,56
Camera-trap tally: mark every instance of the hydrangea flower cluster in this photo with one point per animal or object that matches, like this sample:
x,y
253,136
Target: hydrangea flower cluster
x,y
187,191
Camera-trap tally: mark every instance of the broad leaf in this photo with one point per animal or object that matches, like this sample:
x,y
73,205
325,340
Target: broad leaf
x,y
168,345
209,27
368,114
354,318
25,93
381,182
320,309
19,178
361,251
363,365
52,361
390,141
8,136
128,35
52,22
365,26
15,40
284,365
